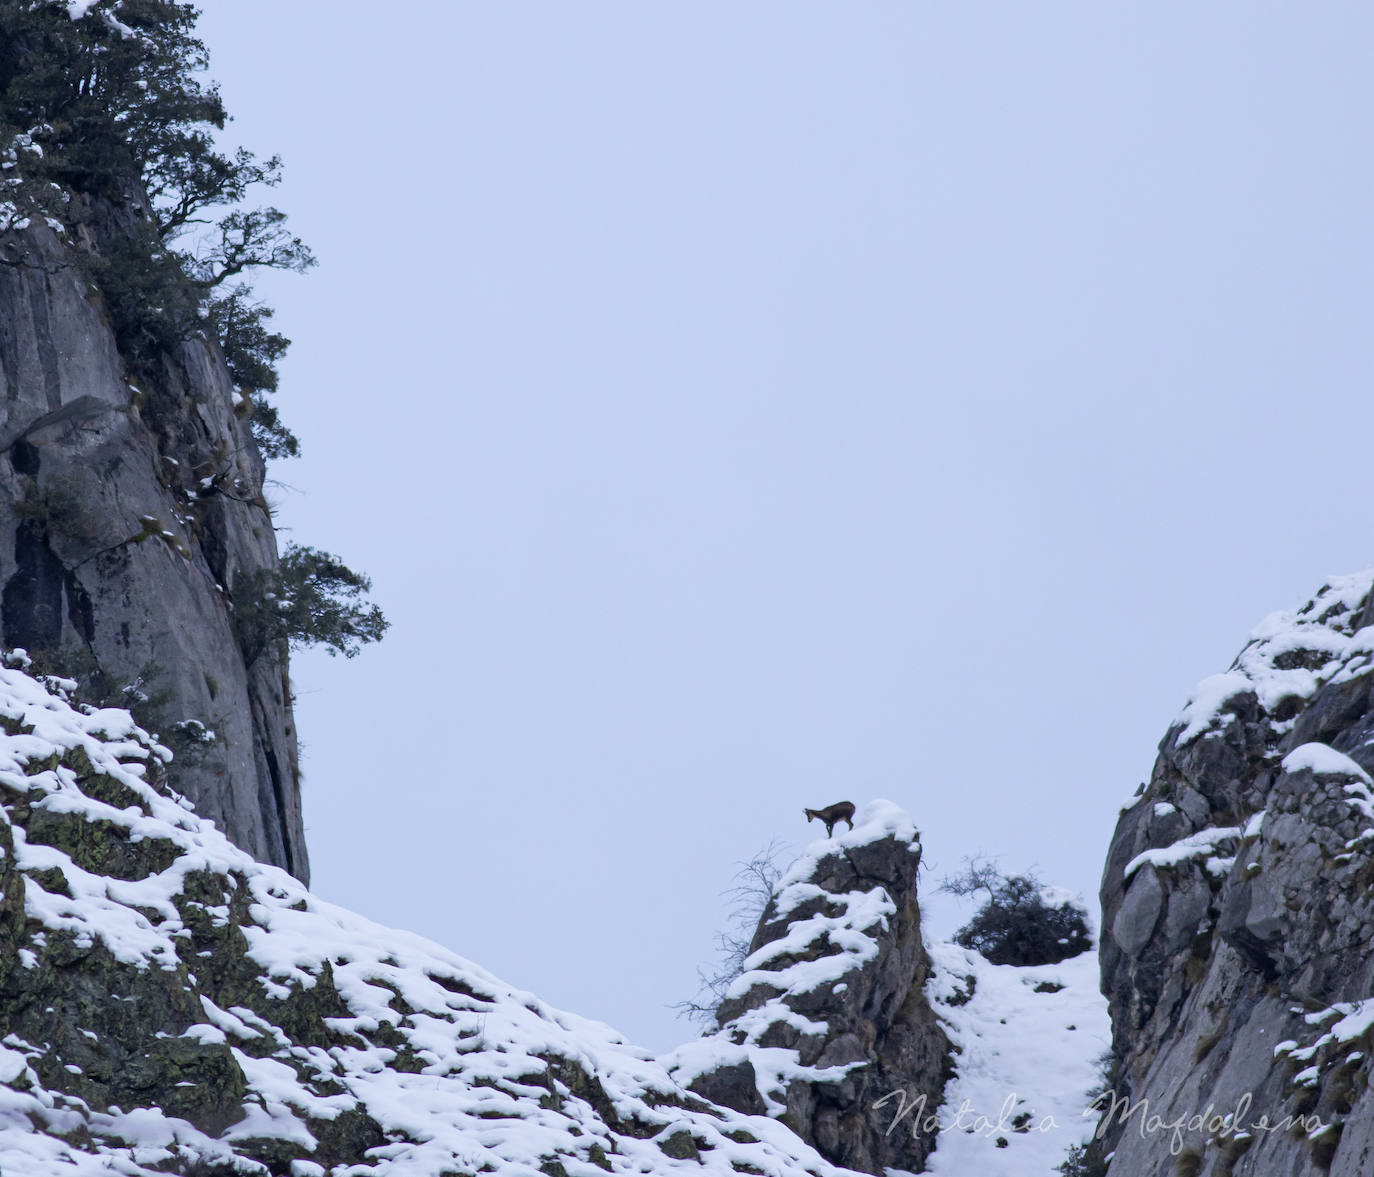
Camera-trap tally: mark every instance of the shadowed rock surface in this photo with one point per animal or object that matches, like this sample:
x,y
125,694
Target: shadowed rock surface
x,y
830,1015
1238,912
128,506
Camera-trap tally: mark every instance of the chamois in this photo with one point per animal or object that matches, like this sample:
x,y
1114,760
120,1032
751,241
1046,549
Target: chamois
x,y
832,815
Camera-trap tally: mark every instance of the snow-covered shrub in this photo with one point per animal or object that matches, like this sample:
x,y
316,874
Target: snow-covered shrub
x,y
1022,922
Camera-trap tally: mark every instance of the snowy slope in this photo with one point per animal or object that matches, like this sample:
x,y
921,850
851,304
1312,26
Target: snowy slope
x,y
167,1003
1021,1053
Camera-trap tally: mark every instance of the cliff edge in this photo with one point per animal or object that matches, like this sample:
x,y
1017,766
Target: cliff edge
x,y
1238,913
129,509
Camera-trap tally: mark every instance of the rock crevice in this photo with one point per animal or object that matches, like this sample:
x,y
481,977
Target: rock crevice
x,y
129,507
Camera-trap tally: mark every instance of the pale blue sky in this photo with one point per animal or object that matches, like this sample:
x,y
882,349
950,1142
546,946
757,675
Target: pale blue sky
x,y
743,406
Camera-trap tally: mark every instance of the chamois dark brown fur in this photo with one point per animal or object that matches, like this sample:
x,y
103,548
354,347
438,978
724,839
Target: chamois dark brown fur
x,y
832,815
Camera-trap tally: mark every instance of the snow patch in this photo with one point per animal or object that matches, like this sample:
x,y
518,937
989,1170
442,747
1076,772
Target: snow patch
x,y
1026,1070
1323,760
1290,655
1198,845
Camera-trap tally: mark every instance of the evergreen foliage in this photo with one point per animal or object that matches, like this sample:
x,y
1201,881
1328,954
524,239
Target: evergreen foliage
x,y
252,351
107,131
1084,1160
311,598
111,107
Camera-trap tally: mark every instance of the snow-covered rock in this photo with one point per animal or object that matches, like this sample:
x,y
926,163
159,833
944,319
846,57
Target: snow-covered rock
x,y
1238,913
829,1015
889,1057
167,1004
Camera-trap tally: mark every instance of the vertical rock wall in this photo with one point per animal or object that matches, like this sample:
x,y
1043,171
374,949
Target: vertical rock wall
x,y
1238,914
121,530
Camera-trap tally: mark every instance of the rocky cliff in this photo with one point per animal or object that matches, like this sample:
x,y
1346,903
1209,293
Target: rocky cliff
x,y
129,506
888,1056
830,1015
1238,913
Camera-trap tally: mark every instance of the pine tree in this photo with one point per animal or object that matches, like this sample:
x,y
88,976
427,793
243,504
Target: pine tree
x,y
111,107
107,134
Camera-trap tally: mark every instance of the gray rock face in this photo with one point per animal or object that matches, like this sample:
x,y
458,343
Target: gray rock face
x,y
121,530
830,1015
1238,914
